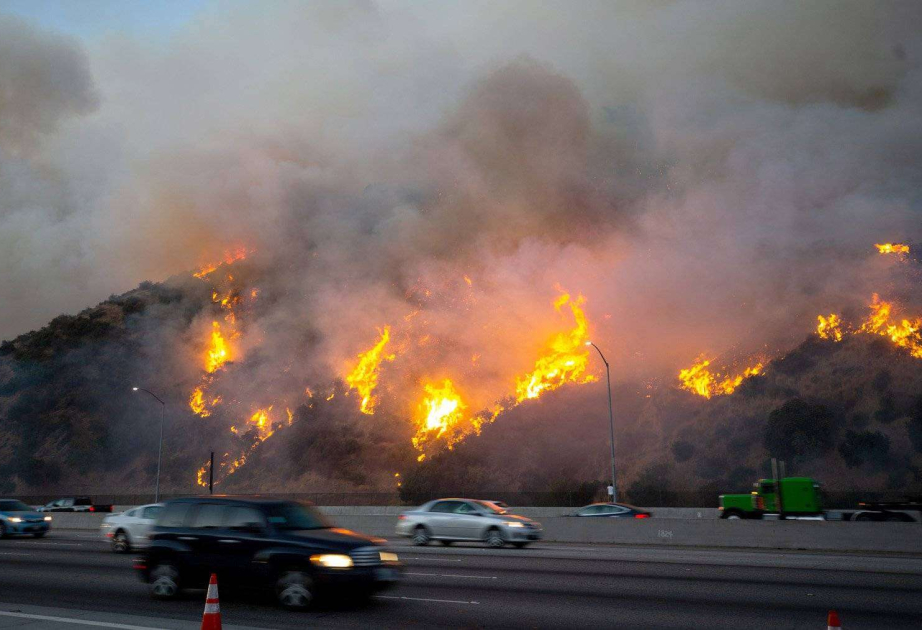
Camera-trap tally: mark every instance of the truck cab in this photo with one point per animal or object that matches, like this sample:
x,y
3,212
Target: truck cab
x,y
789,497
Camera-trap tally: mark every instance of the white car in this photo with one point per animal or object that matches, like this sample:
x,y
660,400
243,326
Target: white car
x,y
130,529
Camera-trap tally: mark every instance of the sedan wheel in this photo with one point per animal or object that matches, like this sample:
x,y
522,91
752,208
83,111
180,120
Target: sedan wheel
x,y
421,536
120,543
495,539
294,590
164,581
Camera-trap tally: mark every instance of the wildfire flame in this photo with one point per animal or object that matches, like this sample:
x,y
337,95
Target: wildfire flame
x,y
440,412
892,248
700,380
219,352
904,334
829,327
364,376
565,359
199,404
260,420
230,257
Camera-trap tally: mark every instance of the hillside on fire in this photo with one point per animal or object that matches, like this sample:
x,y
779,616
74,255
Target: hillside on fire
x,y
844,406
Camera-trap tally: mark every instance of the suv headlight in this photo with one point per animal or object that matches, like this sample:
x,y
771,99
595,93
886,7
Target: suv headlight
x,y
332,560
513,524
15,519
388,556
47,518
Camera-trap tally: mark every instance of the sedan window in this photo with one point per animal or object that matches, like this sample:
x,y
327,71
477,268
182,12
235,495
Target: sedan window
x,y
209,516
174,515
132,513
152,511
465,508
444,506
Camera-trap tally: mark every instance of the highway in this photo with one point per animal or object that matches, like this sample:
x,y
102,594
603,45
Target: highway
x,y
545,586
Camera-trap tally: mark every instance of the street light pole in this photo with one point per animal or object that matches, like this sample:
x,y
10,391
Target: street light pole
x,y
160,449
611,423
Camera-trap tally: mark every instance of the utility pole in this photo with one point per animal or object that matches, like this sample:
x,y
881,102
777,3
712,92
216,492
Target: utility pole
x,y
160,449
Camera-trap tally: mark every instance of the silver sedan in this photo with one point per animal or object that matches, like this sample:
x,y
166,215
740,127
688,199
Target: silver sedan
x,y
450,520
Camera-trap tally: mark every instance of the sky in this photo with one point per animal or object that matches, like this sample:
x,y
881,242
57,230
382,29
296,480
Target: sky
x,y
91,19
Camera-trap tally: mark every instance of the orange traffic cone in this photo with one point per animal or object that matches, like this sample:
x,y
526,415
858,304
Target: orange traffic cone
x,y
211,620
832,621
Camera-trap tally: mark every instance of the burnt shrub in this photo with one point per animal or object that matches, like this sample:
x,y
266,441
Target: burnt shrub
x,y
682,451
865,447
800,429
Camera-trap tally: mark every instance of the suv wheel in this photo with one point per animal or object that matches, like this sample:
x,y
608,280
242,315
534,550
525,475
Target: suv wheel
x,y
120,543
164,581
421,536
294,590
495,538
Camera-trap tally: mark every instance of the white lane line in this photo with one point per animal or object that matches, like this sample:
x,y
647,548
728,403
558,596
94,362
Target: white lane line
x,y
473,577
434,559
14,553
59,544
424,599
81,622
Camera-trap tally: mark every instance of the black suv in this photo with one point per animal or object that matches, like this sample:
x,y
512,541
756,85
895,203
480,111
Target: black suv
x,y
284,545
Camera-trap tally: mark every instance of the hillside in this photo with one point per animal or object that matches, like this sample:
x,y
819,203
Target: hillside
x,y
848,413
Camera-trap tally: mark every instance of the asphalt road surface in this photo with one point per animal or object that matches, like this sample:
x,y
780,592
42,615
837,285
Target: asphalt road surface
x,y
544,586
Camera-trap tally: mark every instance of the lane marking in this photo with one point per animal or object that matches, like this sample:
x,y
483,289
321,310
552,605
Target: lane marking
x,y
14,553
473,577
81,622
434,559
58,543
425,599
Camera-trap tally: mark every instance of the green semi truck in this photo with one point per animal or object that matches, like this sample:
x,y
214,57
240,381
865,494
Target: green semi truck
x,y
801,498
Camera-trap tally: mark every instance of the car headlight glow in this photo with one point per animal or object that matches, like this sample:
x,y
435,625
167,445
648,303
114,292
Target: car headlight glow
x,y
15,519
388,556
47,518
513,524
332,560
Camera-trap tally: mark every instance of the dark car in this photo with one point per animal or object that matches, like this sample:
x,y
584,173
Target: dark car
x,y
74,504
286,546
612,510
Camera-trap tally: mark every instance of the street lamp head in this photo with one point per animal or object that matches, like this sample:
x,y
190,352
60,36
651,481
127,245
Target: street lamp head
x,y
588,343
134,389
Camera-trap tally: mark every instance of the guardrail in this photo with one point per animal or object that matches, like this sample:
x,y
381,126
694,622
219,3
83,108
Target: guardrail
x,y
685,530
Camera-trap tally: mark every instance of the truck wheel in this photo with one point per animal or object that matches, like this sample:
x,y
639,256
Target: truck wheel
x,y
732,515
294,590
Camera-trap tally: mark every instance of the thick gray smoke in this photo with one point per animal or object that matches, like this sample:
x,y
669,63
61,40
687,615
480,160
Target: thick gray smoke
x,y
709,175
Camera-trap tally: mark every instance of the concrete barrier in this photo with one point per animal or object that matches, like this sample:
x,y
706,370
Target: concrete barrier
x,y
658,531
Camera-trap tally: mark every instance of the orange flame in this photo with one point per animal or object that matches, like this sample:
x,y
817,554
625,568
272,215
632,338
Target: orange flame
x,y
701,381
904,334
200,476
219,353
565,359
260,420
230,257
364,376
440,412
829,327
892,248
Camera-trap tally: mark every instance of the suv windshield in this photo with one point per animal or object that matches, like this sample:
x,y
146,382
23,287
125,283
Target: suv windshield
x,y
14,506
288,516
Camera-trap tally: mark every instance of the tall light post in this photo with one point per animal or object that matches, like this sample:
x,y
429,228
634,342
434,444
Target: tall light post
x,y
160,449
611,423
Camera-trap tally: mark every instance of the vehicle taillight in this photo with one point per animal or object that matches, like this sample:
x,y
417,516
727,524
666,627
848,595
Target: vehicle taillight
x,y
402,517
139,564
641,516
92,508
